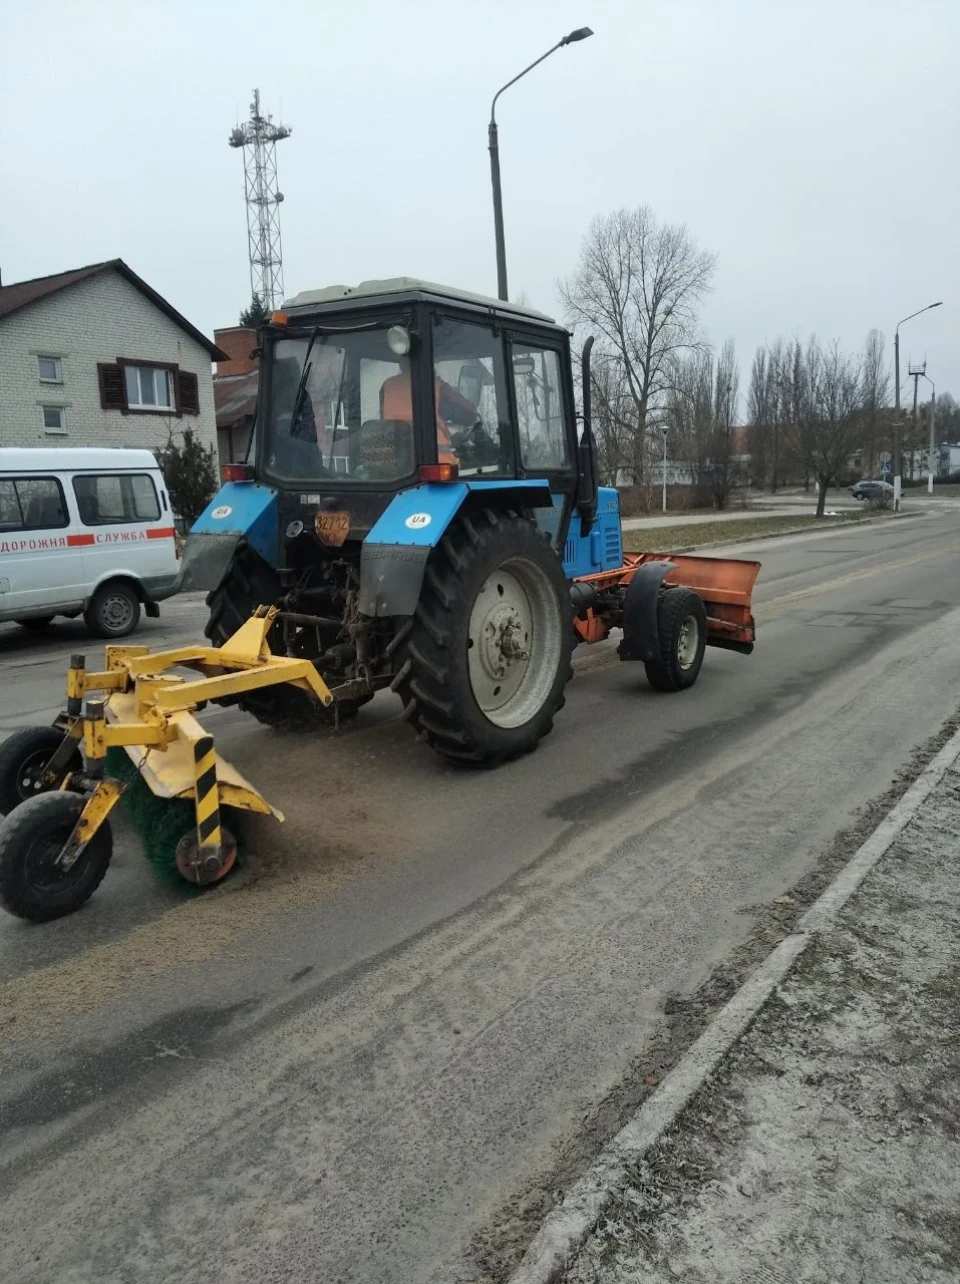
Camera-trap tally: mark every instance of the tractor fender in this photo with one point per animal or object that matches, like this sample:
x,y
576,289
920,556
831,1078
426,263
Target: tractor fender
x,y
640,612
394,555
239,511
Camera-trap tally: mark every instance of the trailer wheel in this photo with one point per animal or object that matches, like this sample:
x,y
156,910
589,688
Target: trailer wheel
x,y
31,839
249,583
483,668
681,638
23,757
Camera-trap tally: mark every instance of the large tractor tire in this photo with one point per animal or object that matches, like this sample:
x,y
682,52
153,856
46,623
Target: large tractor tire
x,y
681,640
484,665
249,583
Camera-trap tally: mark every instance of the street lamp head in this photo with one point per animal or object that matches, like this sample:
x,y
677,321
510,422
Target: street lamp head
x,y
581,33
936,305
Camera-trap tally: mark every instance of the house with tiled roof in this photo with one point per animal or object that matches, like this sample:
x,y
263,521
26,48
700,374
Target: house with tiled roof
x,y
96,357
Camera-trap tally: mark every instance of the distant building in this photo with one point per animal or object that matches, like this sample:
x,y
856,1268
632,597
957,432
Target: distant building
x,y
235,391
95,357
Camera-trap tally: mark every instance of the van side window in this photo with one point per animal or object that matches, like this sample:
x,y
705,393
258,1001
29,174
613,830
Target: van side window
x,y
109,499
31,504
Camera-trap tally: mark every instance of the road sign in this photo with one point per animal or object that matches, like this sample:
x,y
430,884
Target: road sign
x,y
885,467
885,456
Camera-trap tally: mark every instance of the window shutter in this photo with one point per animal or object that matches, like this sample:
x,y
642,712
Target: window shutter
x,y
188,393
113,391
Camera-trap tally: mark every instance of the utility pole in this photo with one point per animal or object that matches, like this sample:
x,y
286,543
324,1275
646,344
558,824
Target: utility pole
x,y
933,420
914,373
896,404
664,467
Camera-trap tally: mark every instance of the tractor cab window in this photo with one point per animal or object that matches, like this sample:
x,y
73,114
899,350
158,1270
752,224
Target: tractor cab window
x,y
471,415
541,417
332,415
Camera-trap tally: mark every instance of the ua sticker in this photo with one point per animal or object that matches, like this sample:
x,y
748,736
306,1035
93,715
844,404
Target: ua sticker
x,y
417,521
221,511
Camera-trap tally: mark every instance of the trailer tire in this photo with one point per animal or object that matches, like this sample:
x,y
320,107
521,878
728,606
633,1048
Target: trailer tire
x,y
248,583
492,587
22,757
30,887
681,640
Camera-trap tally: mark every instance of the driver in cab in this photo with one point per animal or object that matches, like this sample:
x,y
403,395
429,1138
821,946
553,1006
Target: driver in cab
x,y
452,409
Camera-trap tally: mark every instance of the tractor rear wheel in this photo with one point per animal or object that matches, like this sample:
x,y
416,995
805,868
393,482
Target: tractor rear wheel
x,y
249,583
681,639
484,665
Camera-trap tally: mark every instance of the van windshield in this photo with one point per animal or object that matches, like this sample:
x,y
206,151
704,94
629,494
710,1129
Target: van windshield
x,y
349,418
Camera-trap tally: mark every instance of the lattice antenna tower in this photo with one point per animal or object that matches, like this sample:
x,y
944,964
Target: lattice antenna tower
x,y
258,139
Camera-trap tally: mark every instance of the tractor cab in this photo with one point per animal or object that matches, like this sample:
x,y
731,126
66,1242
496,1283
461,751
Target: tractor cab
x,y
369,391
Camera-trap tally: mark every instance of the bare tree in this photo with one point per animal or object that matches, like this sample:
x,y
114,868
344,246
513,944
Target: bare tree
x,y
726,392
826,394
766,412
689,416
876,393
638,286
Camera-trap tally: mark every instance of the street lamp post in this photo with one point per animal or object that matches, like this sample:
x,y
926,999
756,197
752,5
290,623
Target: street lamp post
x,y
581,33
933,418
896,402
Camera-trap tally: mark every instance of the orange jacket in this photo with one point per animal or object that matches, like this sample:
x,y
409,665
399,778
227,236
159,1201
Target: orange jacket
x,y
396,402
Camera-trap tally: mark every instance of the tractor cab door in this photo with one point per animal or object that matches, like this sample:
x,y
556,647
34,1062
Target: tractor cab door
x,y
503,408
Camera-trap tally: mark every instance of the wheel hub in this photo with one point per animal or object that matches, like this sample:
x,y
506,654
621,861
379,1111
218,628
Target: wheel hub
x,y
115,612
203,865
688,642
499,640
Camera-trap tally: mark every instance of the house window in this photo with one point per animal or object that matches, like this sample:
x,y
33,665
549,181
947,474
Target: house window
x,y
107,498
54,419
50,370
149,388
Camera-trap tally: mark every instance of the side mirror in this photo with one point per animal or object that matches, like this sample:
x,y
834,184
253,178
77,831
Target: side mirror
x,y
524,365
471,381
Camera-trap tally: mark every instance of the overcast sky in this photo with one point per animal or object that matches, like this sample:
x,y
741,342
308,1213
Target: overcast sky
x,y
812,144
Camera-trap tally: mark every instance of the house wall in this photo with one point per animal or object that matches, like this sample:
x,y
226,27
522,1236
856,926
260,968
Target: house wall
x,y
98,320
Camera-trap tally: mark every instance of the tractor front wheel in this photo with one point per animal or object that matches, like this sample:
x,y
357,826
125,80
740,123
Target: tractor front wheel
x,y
485,663
32,884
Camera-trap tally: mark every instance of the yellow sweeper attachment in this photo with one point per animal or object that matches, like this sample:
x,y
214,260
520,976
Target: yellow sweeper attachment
x,y
142,704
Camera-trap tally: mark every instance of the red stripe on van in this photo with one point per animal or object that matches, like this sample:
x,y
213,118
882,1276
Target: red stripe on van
x,y
161,532
76,541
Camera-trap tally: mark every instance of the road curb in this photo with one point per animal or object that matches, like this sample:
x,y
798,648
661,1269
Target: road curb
x,y
567,1227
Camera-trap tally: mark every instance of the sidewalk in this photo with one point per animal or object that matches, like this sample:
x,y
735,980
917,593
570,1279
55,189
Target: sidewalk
x,y
826,1148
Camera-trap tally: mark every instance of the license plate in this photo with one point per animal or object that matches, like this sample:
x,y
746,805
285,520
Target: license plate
x,y
332,528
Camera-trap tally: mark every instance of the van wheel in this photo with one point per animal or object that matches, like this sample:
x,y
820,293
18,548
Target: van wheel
x,y
114,611
37,623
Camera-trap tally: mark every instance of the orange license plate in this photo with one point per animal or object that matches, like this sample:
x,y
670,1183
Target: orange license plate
x,y
332,528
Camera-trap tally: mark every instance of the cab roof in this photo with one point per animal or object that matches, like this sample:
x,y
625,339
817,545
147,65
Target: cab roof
x,y
407,289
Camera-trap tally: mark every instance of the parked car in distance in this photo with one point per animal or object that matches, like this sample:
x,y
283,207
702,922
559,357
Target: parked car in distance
x,y
869,489
86,532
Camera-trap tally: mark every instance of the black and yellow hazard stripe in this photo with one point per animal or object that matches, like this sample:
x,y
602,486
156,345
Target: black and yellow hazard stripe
x,y
208,799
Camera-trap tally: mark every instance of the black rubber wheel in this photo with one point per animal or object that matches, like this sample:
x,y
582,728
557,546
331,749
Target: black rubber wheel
x,y
31,838
23,757
249,583
483,669
682,639
37,623
114,610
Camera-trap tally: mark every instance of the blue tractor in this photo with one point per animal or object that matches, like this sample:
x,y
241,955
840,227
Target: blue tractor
x,y
420,507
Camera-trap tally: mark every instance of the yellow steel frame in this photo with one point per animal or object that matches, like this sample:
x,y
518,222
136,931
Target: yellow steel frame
x,y
148,708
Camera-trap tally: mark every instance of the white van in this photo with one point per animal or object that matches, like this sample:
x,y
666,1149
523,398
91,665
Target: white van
x,y
84,531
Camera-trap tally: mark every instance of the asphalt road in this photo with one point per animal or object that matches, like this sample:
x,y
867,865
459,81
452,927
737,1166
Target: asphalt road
x,y
375,1054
